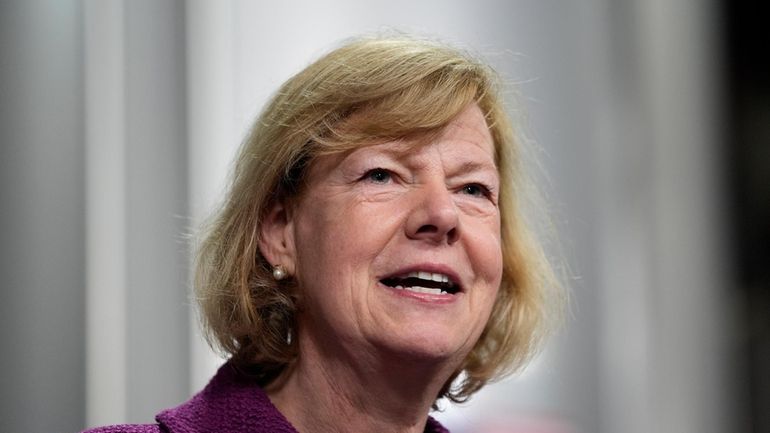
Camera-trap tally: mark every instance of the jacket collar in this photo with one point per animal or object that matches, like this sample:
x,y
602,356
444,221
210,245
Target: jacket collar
x,y
233,402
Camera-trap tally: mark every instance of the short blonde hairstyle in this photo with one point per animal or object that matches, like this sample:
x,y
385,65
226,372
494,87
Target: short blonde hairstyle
x,y
368,91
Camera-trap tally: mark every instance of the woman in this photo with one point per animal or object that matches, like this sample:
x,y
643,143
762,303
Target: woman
x,y
370,258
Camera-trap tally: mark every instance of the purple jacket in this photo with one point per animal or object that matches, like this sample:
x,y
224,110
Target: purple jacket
x,y
230,403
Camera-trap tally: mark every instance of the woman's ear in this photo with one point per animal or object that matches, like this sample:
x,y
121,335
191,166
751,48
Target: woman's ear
x,y
276,237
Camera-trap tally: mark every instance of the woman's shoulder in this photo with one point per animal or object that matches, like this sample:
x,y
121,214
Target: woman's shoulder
x,y
127,428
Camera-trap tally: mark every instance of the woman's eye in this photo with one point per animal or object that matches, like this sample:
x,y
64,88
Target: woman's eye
x,y
476,190
378,175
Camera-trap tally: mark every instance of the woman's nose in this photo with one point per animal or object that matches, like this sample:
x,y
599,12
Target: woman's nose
x,y
434,216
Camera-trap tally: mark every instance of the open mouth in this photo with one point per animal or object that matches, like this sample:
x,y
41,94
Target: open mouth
x,y
423,282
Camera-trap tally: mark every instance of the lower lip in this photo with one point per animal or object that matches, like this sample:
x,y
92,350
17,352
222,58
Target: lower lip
x,y
427,298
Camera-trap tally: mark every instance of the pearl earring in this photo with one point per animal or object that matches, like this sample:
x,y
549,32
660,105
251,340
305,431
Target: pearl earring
x,y
279,273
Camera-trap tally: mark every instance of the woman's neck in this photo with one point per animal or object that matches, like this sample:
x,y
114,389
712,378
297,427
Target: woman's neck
x,y
337,391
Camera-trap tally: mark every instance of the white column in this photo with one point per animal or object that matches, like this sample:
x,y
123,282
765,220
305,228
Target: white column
x,y
106,370
665,310
137,255
680,61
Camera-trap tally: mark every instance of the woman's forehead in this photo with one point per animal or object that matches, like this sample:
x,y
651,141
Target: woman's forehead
x,y
469,125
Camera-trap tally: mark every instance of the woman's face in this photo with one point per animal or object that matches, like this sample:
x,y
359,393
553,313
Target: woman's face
x,y
397,247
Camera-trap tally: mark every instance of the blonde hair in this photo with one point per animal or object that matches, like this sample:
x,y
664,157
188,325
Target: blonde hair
x,y
368,91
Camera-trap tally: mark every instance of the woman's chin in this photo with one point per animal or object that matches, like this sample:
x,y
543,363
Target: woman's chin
x,y
430,346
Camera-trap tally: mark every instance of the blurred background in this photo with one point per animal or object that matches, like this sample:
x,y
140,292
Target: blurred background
x,y
118,121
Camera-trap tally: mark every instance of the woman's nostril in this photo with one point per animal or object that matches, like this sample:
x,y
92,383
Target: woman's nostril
x,y
427,229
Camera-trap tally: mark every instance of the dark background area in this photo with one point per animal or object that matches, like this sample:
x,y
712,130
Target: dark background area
x,y
747,141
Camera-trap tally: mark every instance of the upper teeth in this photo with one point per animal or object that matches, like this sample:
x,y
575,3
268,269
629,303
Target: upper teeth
x,y
419,289
440,278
